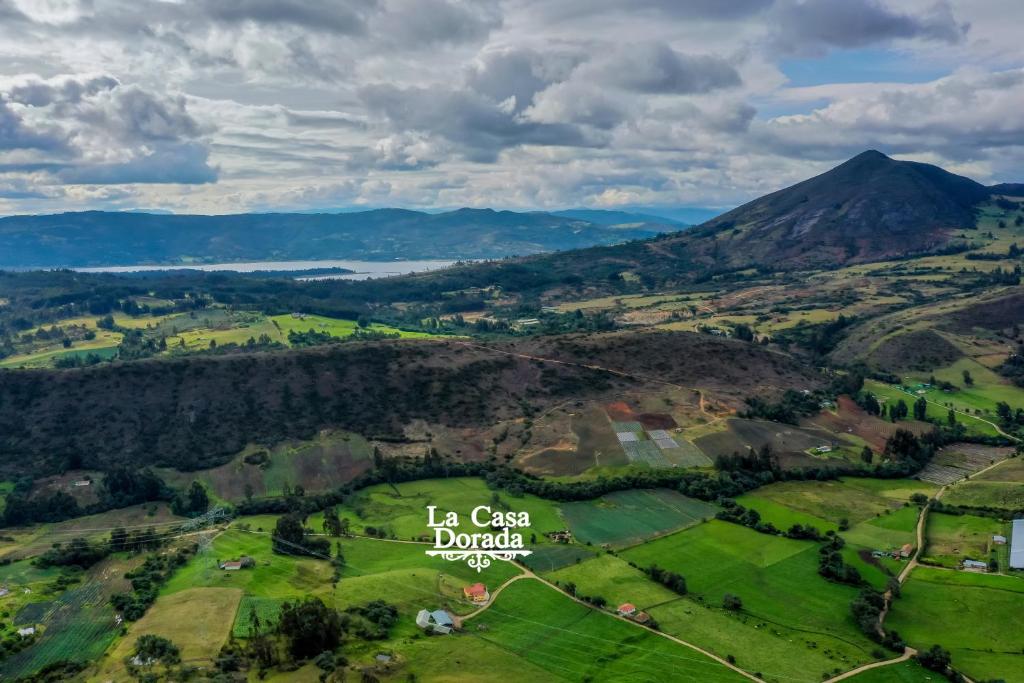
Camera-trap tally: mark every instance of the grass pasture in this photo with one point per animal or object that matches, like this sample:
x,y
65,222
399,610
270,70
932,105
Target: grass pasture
x,y
949,539
825,503
335,327
974,616
627,517
401,509
554,556
572,642
1000,487
613,579
197,620
777,580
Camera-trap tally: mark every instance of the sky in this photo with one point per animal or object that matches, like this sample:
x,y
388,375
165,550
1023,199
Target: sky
x,y
227,106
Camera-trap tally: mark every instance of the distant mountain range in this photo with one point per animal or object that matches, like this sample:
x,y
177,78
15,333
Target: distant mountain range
x,y
869,208
98,238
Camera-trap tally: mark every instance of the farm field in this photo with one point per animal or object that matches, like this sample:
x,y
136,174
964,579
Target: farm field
x,y
1000,487
32,540
627,517
775,577
197,620
988,388
613,579
401,509
951,539
824,503
959,461
77,622
975,425
553,556
335,327
572,642
904,672
974,616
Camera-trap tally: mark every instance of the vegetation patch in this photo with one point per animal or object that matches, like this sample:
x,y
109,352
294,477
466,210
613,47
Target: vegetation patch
x,y
627,517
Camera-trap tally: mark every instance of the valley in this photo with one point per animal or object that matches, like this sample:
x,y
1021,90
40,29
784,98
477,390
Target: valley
x,y
791,468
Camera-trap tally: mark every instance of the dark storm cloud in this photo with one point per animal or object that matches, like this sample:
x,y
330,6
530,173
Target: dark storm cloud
x,y
14,134
174,163
520,73
813,24
480,126
677,9
656,68
417,23
336,16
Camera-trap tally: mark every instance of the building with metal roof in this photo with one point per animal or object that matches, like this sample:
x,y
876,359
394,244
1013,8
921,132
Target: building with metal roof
x,y
1017,545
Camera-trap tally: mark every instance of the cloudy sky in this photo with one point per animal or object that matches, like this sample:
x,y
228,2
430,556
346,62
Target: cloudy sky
x,y
220,106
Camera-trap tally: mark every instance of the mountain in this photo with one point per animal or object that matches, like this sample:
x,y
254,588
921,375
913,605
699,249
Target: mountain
x,y
125,238
621,218
870,207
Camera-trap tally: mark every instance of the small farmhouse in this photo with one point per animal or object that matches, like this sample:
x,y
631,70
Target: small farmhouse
x,y
907,550
235,565
27,631
974,566
437,621
999,540
476,593
627,609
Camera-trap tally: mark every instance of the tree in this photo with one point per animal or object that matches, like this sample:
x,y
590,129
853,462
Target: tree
x,y
968,380
198,501
150,649
951,417
866,455
935,658
332,523
288,535
921,409
310,626
732,602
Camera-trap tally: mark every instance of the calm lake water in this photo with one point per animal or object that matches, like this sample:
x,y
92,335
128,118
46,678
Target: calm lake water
x,y
362,270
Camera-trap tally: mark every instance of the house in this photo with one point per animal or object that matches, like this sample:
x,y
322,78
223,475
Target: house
x,y
437,621
1017,545
235,565
999,540
561,536
82,482
476,593
974,566
878,553
627,609
641,617
823,449
27,631
383,658
907,550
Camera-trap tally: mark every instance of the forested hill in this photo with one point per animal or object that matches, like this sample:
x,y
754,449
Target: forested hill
x,y
123,238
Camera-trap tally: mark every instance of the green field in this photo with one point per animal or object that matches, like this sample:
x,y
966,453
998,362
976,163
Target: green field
x,y
936,409
627,517
903,672
546,558
613,579
333,326
974,616
824,503
949,539
987,390
575,643
775,577
401,509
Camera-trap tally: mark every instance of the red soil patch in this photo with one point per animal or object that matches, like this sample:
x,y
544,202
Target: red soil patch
x,y
656,421
620,412
850,418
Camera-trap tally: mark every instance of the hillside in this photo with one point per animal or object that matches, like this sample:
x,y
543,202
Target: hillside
x,y
198,411
96,238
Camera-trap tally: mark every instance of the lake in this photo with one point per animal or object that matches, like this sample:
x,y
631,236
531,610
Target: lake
x,y
362,270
